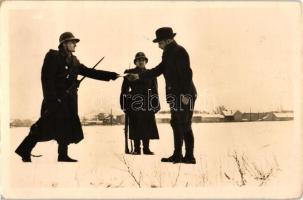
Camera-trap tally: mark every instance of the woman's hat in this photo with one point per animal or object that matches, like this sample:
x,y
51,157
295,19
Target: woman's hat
x,y
140,55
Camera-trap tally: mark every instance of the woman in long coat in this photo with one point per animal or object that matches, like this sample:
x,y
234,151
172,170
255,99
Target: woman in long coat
x,y
139,100
59,112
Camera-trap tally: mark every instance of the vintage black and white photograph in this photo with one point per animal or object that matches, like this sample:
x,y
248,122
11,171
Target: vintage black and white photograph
x,y
151,99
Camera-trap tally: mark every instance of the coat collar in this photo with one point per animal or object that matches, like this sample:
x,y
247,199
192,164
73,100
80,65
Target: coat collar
x,y
66,57
170,46
65,54
140,69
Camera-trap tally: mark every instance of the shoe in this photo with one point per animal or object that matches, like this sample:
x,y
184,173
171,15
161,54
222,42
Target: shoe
x,y
26,159
66,159
174,159
148,152
24,156
189,160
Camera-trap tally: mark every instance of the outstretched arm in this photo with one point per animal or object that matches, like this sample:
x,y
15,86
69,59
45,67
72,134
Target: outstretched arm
x,y
152,73
97,74
148,74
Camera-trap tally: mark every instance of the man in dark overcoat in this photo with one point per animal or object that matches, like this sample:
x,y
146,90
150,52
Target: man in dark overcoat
x,y
139,100
59,112
180,92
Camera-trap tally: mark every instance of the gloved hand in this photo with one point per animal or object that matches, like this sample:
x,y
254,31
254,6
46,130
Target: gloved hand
x,y
132,77
114,76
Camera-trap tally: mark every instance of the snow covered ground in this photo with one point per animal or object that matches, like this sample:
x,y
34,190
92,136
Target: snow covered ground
x,y
228,154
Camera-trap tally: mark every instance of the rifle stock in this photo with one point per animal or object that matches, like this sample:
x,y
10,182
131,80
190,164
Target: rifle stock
x,y
126,124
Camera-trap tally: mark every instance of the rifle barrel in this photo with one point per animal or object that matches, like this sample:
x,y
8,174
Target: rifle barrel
x,y
92,68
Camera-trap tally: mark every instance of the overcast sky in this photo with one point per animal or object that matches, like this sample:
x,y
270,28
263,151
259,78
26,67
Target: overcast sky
x,y
243,55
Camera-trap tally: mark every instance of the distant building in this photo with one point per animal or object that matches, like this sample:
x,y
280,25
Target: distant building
x,y
110,120
197,118
164,112
278,116
268,117
121,119
212,118
20,123
163,118
102,119
231,116
101,116
253,116
92,122
283,116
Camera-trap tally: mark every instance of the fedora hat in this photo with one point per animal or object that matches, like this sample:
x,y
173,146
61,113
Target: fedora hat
x,y
67,36
164,33
140,55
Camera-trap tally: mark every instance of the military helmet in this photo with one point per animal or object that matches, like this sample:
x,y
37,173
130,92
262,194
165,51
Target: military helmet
x,y
67,36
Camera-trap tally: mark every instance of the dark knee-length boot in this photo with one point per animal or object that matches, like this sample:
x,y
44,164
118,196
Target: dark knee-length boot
x,y
25,148
62,151
189,148
146,149
137,150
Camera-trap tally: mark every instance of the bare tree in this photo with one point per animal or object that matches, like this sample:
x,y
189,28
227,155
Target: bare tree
x,y
243,165
177,176
219,109
130,171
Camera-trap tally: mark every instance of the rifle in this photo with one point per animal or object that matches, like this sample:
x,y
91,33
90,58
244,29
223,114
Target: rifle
x,y
126,133
67,92
77,83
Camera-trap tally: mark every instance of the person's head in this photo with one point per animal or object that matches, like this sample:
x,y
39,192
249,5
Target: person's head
x,y
164,36
68,42
140,60
163,43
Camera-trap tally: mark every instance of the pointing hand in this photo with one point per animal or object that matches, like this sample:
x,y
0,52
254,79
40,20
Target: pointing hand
x,y
132,77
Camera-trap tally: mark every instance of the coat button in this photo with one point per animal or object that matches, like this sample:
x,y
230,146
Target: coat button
x,y
66,67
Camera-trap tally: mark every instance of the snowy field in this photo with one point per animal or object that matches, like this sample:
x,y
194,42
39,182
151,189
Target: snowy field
x,y
227,154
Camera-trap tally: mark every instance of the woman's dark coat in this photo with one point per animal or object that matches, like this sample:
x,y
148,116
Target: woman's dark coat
x,y
59,72
139,100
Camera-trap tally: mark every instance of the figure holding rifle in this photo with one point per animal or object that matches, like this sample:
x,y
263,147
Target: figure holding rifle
x,y
139,100
59,113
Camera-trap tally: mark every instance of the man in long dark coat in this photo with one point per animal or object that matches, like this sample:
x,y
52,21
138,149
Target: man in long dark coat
x,y
60,109
180,92
139,100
